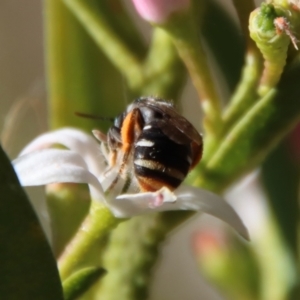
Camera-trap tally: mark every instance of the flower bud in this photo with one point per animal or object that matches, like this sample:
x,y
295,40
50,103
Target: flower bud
x,y
271,41
159,11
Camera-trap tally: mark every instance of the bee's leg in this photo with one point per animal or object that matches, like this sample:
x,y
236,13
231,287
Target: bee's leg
x,y
128,182
131,128
100,136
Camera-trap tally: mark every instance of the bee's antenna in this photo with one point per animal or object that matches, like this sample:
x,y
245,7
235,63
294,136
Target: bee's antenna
x,y
90,116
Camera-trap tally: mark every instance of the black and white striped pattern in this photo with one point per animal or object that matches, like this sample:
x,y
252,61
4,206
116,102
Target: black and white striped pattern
x,y
164,146
159,158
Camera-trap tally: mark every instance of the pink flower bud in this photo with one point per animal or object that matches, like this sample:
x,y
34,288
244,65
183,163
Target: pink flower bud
x,y
158,11
209,242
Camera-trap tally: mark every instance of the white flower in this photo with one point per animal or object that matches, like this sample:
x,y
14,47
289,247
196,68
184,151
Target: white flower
x,y
85,163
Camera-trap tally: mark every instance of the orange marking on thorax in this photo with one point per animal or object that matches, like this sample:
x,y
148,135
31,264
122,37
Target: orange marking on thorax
x,y
127,131
130,129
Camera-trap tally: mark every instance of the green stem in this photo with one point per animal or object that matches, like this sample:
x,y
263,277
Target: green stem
x,y
66,211
122,45
80,282
95,18
163,68
80,77
183,30
245,93
276,278
92,236
138,239
252,138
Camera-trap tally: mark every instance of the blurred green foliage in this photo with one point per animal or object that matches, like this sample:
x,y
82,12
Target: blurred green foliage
x,y
97,62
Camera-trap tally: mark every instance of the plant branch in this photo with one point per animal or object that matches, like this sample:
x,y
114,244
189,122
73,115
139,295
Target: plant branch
x,y
163,68
80,78
95,18
245,147
92,235
183,30
245,94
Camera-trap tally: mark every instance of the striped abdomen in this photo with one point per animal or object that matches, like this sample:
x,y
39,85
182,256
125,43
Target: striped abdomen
x,y
159,161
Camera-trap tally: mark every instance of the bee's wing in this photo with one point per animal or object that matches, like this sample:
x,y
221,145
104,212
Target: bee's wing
x,y
178,128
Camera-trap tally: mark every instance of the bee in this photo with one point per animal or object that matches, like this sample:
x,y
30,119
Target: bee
x,y
151,145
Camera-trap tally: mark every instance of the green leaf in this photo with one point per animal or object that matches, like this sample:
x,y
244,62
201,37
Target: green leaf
x,y
78,283
28,269
68,205
224,40
280,176
255,135
80,77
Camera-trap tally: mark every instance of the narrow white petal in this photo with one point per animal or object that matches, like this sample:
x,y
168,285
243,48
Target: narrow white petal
x,y
54,166
74,139
191,198
37,199
184,198
128,205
